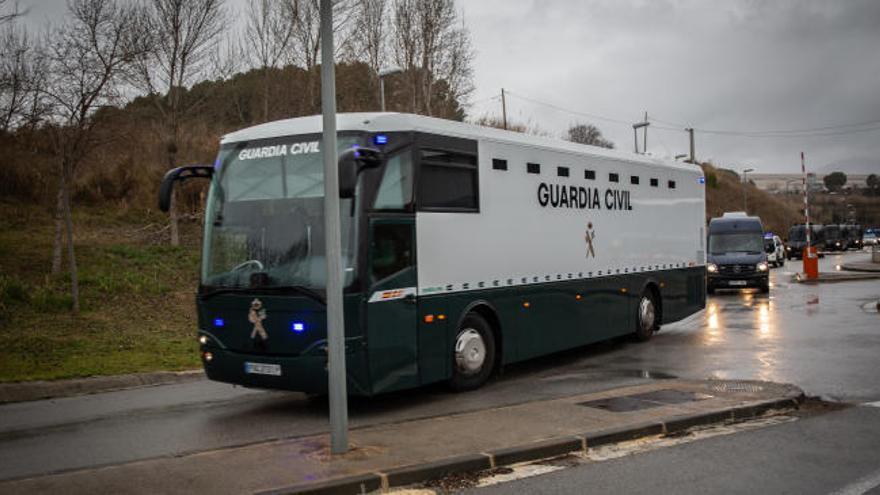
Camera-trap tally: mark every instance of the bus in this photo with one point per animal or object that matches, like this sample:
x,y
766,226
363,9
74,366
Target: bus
x,y
465,248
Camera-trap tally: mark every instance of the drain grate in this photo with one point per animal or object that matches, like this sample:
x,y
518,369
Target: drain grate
x,y
648,400
736,386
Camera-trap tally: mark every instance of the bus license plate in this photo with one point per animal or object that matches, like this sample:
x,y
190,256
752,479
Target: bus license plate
x,y
738,282
262,369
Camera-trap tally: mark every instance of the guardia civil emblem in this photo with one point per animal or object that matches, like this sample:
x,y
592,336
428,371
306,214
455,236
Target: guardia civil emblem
x,y
256,316
590,236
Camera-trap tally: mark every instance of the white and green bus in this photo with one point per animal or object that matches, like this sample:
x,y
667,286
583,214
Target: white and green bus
x,y
465,248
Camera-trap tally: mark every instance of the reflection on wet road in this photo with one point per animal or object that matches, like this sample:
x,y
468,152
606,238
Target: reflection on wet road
x,y
819,337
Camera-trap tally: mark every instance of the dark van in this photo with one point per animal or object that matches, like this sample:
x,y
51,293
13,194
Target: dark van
x,y
797,240
736,258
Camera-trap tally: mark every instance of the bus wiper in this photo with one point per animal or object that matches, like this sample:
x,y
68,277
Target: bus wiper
x,y
274,289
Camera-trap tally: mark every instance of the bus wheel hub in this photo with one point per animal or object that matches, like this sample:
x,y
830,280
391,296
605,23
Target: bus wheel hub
x,y
646,313
470,352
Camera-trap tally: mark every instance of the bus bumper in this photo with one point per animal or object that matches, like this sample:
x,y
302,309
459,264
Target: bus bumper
x,y
306,374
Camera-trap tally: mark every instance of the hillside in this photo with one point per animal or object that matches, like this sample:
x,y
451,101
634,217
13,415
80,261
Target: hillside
x,y
725,192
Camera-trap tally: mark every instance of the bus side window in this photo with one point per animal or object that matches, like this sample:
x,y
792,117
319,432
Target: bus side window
x,y
448,181
395,191
392,249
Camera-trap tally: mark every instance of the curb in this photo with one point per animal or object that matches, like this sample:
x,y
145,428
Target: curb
x,y
861,267
836,277
48,389
416,473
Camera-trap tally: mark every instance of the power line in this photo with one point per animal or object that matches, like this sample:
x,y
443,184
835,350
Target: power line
x,y
825,131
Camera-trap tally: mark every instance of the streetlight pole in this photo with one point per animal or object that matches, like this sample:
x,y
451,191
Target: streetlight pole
x,y
382,73
338,396
746,189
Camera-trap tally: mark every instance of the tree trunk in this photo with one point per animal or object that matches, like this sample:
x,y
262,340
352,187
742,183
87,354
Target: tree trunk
x,y
172,211
59,229
68,220
172,208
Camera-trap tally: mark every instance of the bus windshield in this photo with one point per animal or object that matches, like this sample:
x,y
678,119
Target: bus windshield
x,y
736,243
264,223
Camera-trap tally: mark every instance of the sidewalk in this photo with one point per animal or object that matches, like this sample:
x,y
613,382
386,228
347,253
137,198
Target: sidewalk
x,y
412,451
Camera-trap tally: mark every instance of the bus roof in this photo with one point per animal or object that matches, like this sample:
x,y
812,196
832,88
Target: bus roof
x,y
393,122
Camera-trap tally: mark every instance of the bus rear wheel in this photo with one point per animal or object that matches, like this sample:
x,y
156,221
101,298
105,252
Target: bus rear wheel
x,y
473,354
646,316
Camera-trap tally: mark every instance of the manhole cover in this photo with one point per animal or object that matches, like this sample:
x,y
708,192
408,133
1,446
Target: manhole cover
x,y
749,387
648,400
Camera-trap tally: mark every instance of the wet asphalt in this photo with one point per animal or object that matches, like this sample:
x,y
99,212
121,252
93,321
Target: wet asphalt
x,y
824,338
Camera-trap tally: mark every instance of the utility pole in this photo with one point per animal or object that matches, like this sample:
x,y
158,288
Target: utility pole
x,y
746,189
338,396
636,128
690,131
503,110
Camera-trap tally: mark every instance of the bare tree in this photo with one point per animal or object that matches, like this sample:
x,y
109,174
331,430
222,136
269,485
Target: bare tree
x,y
587,134
16,75
13,14
305,47
433,46
185,33
85,59
370,32
268,35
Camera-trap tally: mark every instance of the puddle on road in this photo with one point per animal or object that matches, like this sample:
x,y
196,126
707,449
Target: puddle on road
x,y
871,307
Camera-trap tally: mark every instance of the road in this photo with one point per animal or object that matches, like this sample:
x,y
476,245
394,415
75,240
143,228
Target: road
x,y
823,338
833,453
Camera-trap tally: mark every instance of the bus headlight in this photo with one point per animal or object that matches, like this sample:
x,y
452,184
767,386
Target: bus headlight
x,y
762,266
711,268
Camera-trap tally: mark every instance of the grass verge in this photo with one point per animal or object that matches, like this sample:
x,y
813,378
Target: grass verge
x,y
137,296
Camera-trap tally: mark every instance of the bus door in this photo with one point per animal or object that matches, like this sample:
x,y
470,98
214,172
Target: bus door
x,y
392,317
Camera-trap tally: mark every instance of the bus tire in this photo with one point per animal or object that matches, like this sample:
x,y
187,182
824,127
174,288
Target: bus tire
x,y
646,316
473,354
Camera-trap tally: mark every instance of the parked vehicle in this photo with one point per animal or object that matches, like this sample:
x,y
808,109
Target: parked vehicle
x,y
775,249
835,238
797,240
736,258
853,234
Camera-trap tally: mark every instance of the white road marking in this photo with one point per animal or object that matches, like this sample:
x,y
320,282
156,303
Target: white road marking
x,y
861,486
872,404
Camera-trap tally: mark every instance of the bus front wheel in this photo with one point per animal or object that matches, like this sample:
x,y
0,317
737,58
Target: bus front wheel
x,y
473,354
646,316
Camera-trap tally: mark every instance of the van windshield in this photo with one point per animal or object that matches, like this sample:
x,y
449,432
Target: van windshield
x,y
736,243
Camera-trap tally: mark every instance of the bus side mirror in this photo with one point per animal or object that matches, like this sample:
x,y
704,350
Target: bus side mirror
x,y
180,174
351,163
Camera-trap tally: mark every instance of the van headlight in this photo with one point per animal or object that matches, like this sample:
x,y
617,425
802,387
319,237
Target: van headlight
x,y
711,268
788,248
762,266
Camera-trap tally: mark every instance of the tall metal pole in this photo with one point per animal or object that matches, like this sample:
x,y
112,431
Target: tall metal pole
x,y
693,154
382,91
335,322
503,110
806,199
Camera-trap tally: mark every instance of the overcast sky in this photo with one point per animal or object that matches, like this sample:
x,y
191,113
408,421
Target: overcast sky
x,y
733,65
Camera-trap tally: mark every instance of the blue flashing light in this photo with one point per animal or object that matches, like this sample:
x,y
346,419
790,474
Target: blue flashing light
x,y
702,180
768,235
218,322
380,139
298,326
